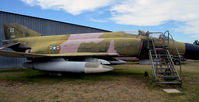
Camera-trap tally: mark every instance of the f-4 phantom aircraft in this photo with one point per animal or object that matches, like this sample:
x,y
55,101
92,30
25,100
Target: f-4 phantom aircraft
x,y
83,53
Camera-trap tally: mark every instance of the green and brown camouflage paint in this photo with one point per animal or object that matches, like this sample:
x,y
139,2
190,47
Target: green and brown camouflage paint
x,y
122,43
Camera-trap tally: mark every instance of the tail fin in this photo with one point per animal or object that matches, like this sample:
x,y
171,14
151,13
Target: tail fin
x,y
15,30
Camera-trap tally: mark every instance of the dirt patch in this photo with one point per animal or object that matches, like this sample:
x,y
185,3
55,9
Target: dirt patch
x,y
117,90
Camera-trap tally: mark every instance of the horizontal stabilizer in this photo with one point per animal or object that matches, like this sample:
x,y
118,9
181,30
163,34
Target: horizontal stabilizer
x,y
33,55
8,45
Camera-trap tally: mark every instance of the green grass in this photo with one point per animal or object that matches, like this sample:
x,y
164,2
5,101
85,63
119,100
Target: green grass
x,y
190,87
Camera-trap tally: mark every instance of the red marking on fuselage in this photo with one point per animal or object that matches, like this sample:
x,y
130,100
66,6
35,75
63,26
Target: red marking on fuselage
x,y
141,44
74,41
85,36
160,41
111,48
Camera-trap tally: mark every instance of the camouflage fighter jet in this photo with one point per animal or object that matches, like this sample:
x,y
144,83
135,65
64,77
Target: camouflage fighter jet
x,y
80,53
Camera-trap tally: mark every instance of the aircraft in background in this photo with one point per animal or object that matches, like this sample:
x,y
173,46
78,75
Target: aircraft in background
x,y
84,53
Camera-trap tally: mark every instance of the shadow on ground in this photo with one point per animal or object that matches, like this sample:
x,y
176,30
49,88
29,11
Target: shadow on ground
x,y
29,75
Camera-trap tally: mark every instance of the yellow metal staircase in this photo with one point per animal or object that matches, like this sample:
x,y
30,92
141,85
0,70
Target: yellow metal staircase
x,y
163,68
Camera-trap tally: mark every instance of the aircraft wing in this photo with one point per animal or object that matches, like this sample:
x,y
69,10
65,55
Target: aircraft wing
x,y
33,55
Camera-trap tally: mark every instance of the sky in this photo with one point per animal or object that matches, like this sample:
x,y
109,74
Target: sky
x,y
180,17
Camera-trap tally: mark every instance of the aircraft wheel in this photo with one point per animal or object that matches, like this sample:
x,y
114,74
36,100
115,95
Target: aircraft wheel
x,y
177,62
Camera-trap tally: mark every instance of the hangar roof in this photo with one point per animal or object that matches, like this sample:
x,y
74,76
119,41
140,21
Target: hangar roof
x,y
55,21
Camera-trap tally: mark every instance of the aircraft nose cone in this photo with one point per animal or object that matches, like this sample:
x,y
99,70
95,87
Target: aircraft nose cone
x,y
96,68
107,68
192,51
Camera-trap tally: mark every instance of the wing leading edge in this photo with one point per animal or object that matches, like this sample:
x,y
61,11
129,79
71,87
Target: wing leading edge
x,y
33,55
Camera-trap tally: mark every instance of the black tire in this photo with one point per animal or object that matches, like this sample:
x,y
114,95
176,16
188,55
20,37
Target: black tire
x,y
177,62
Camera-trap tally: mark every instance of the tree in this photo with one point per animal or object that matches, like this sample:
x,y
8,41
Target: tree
x,y
196,42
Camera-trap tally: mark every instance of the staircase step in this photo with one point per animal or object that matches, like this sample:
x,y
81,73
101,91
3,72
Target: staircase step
x,y
169,76
159,49
170,83
159,56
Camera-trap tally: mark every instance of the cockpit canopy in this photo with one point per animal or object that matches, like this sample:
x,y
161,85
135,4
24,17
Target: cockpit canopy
x,y
160,35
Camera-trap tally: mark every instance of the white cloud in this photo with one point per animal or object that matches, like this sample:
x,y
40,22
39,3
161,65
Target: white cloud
x,y
156,12
133,12
98,20
74,7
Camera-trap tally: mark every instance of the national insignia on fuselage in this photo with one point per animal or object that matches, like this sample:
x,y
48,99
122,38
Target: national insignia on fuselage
x,y
54,47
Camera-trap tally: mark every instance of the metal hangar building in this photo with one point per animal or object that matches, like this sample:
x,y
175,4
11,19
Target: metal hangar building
x,y
40,25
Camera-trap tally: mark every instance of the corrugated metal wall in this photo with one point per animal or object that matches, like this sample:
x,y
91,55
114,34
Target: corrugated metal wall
x,y
43,26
